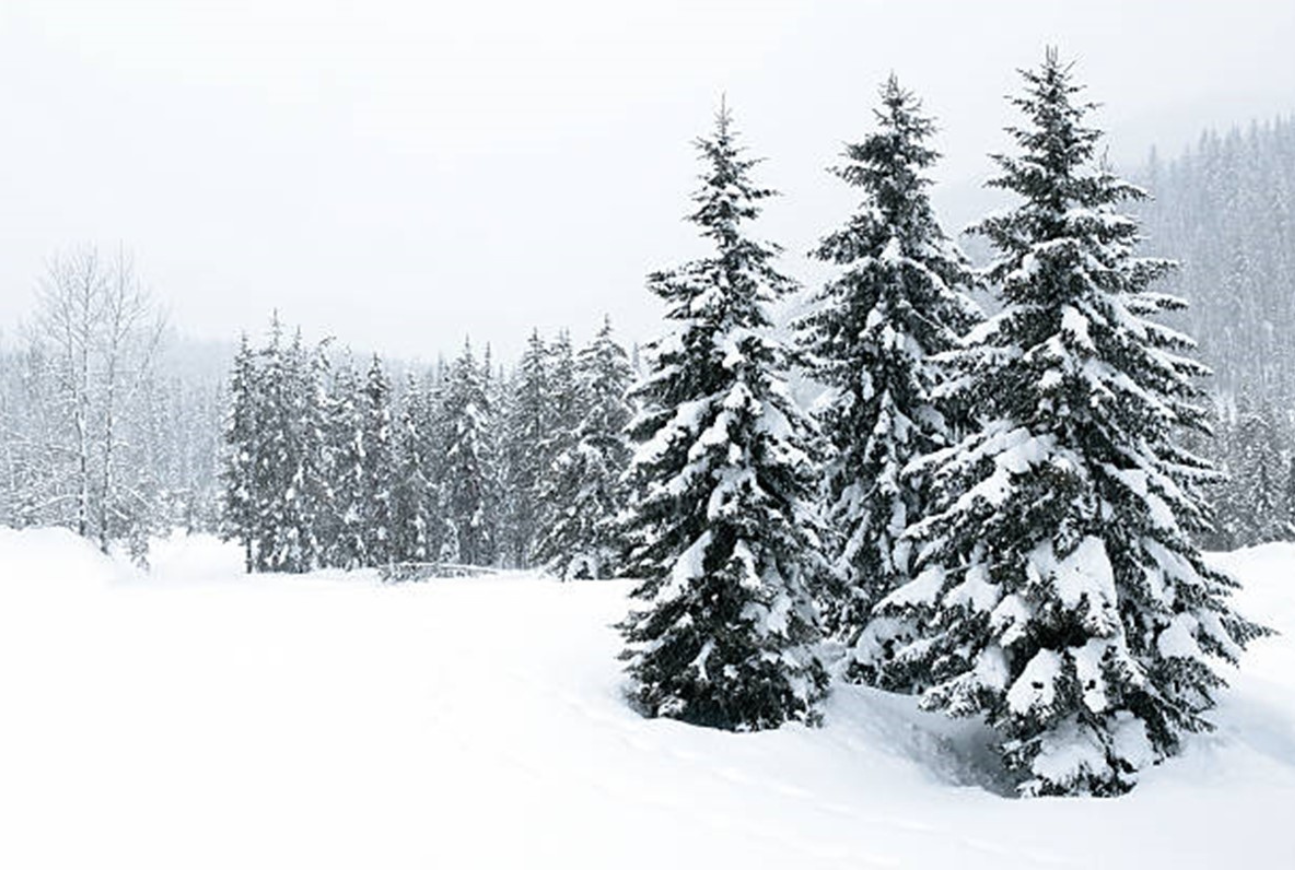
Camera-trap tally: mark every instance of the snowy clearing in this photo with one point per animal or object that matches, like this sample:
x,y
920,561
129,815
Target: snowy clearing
x,y
196,717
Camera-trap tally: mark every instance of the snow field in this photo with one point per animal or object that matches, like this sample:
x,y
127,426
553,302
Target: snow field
x,y
195,717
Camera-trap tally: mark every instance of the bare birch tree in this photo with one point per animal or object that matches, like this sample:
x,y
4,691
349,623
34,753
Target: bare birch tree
x,y
98,331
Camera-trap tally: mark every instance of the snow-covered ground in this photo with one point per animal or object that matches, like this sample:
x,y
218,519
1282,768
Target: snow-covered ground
x,y
195,717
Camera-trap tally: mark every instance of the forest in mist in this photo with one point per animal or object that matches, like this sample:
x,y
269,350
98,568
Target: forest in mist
x,y
112,421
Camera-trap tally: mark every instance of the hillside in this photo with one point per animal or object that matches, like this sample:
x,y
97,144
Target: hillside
x,y
1224,210
195,717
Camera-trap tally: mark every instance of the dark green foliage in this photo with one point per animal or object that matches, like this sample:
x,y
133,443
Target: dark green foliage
x,y
239,510
1058,589
583,489
871,335
414,502
719,527
528,425
470,497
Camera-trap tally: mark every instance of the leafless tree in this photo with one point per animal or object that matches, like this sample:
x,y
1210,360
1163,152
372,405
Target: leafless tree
x,y
98,326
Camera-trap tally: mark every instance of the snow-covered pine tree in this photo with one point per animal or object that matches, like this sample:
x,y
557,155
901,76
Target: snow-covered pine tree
x,y
494,386
468,483
1224,494
348,538
1288,500
870,335
527,421
443,539
238,468
720,522
378,522
318,487
584,488
413,489
566,406
1252,506
305,501
565,399
274,454
1207,442
1058,588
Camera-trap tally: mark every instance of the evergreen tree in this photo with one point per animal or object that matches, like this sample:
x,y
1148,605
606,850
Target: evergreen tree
x,y
469,497
414,516
1058,589
583,488
1228,500
527,427
348,539
302,454
566,401
492,519
1288,501
443,540
719,523
319,486
238,474
273,456
378,521
271,472
566,406
871,335
1252,506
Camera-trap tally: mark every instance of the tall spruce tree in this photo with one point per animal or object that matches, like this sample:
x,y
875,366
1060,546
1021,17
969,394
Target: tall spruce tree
x,y
567,403
870,335
492,517
468,483
268,452
378,521
1288,500
306,499
239,513
348,539
566,406
413,506
443,541
283,533
1252,504
720,526
274,482
583,487
1059,591
527,426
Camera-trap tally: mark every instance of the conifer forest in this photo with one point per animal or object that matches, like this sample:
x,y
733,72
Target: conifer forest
x,y
995,484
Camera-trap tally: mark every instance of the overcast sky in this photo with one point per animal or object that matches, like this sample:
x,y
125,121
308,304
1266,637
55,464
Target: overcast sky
x,y
401,174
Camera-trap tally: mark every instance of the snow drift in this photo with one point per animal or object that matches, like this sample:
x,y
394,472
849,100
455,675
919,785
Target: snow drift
x,y
196,717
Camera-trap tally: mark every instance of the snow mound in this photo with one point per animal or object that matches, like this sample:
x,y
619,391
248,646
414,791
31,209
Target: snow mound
x,y
196,717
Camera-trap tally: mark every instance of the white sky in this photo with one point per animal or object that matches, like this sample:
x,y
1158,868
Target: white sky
x,y
400,174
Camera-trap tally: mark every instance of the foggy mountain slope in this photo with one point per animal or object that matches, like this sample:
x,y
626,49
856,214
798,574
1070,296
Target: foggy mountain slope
x,y
1226,209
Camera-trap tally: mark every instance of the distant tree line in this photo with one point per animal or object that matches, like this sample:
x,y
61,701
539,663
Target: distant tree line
x,y
1253,445
1226,208
328,466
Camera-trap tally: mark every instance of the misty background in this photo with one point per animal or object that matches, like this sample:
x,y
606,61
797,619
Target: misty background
x,y
402,174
